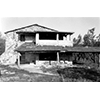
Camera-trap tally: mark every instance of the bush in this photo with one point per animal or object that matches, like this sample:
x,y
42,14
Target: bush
x,y
76,73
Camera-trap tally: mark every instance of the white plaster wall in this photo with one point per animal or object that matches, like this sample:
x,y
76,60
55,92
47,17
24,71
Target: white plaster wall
x,y
55,42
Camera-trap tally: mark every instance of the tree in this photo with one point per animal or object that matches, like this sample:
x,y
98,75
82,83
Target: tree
x,y
89,38
77,42
97,43
2,44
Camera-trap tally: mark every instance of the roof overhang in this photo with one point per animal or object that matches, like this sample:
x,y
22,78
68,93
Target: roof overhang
x,y
26,47
83,49
30,47
63,33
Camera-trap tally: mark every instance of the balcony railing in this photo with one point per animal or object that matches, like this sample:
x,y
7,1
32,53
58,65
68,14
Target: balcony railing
x,y
55,42
50,42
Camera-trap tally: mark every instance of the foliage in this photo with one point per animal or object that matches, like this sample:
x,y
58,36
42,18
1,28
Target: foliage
x,y
77,42
88,40
2,44
80,74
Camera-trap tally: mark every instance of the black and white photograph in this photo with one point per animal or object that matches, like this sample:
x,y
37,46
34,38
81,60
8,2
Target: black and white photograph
x,y
50,49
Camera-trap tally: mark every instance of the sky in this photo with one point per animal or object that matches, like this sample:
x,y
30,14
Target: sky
x,y
78,25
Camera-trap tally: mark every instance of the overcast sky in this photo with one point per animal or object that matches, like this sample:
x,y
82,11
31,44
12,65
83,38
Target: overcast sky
x,y
79,25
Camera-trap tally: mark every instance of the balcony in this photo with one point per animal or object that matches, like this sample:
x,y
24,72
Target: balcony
x,y
55,42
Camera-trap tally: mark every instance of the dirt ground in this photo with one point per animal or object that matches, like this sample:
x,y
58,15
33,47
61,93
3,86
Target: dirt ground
x,y
19,75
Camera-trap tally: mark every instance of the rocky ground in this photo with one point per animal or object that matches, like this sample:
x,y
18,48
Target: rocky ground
x,y
19,75
68,74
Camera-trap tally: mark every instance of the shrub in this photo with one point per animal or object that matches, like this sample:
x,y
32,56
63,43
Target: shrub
x,y
76,73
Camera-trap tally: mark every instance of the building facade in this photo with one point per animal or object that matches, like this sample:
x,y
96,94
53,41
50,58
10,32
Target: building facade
x,y
36,44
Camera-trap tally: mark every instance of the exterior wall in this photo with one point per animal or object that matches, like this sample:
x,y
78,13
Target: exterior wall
x,y
55,42
65,42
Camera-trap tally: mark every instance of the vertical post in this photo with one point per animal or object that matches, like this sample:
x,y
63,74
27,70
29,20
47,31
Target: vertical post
x,y
69,37
58,57
57,38
19,60
64,38
37,38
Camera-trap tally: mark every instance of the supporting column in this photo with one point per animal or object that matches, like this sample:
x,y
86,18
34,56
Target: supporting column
x,y
69,37
57,38
64,38
19,60
58,57
37,38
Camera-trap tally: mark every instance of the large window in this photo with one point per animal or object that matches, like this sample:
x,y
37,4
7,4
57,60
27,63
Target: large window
x,y
47,36
48,56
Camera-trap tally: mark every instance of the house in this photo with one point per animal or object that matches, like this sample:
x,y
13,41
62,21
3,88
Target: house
x,y
36,44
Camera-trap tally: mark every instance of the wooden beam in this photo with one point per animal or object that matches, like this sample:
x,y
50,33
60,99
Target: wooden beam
x,y
18,60
58,57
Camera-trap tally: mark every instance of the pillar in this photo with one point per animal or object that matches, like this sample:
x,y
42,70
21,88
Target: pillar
x,y
64,38
37,38
58,57
69,37
57,38
19,60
